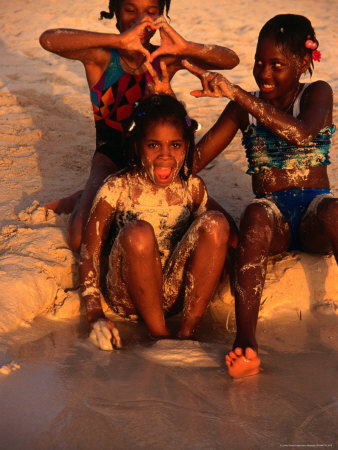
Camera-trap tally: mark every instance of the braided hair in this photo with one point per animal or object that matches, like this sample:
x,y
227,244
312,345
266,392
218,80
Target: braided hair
x,y
115,5
161,108
290,32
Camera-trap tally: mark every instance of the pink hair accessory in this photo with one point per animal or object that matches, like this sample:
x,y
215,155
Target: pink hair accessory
x,y
310,44
316,55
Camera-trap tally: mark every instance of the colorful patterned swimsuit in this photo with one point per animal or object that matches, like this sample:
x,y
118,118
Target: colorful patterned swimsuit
x,y
112,100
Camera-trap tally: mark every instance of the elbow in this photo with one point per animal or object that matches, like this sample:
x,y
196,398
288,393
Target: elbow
x,y
301,140
44,40
235,61
232,60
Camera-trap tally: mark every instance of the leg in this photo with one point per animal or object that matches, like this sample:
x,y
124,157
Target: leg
x,y
263,232
196,264
102,166
318,229
64,205
136,284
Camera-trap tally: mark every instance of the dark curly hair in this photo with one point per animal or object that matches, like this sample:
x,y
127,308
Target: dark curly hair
x,y
115,5
161,108
290,32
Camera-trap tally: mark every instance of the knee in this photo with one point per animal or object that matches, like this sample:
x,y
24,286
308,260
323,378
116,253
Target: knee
x,y
327,213
138,237
257,222
214,225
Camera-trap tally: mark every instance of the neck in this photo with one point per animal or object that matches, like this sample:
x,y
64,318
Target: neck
x,y
287,103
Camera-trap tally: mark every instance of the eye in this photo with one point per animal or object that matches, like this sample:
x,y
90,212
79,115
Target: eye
x,y
152,145
258,62
277,65
153,12
177,145
129,9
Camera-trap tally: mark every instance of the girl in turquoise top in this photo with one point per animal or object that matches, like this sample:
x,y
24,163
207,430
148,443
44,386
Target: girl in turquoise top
x,y
287,129
115,66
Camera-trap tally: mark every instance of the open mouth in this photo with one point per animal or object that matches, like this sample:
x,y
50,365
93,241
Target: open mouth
x,y
265,87
163,174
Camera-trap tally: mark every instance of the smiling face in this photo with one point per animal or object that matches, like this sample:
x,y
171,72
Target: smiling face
x,y
277,72
163,151
132,10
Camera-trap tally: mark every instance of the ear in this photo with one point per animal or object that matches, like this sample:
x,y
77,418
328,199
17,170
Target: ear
x,y
305,63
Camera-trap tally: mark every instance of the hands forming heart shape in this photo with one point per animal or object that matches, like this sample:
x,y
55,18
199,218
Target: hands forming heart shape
x,y
171,42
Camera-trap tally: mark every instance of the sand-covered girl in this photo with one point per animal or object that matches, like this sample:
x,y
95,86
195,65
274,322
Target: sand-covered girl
x,y
168,250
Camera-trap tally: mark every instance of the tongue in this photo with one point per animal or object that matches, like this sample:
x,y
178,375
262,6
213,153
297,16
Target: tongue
x,y
163,172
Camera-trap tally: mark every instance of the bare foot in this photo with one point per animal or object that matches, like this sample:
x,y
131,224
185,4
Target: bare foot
x,y
242,365
64,205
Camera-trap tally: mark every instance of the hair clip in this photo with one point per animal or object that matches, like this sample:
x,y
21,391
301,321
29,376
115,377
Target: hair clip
x,y
141,113
311,45
188,121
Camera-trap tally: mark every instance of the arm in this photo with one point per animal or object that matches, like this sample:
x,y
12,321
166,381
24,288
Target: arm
x,y
175,46
314,114
89,273
84,45
316,107
219,136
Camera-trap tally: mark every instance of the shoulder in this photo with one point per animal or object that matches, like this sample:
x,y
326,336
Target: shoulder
x,y
317,89
112,187
197,189
98,56
317,99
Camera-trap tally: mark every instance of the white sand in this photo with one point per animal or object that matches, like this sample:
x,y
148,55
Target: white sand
x,y
57,390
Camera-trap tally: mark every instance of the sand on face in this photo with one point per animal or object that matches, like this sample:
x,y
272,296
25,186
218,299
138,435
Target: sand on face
x,y
153,397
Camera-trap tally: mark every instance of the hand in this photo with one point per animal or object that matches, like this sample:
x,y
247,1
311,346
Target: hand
x,y
131,39
171,42
158,86
214,84
105,335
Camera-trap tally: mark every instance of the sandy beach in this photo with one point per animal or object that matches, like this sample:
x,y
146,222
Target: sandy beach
x,y
57,390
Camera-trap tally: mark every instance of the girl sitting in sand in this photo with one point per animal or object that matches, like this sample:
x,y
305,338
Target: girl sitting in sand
x,y
168,251
117,77
287,130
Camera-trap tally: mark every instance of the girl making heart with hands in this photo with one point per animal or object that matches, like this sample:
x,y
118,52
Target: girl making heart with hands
x,y
117,77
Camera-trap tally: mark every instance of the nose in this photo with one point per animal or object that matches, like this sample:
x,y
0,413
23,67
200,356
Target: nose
x,y
265,72
165,151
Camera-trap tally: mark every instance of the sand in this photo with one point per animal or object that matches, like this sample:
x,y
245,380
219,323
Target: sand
x,y
57,389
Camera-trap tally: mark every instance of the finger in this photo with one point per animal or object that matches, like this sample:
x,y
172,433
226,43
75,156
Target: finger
x,y
198,94
152,71
160,20
158,52
144,52
164,70
116,338
195,70
146,19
